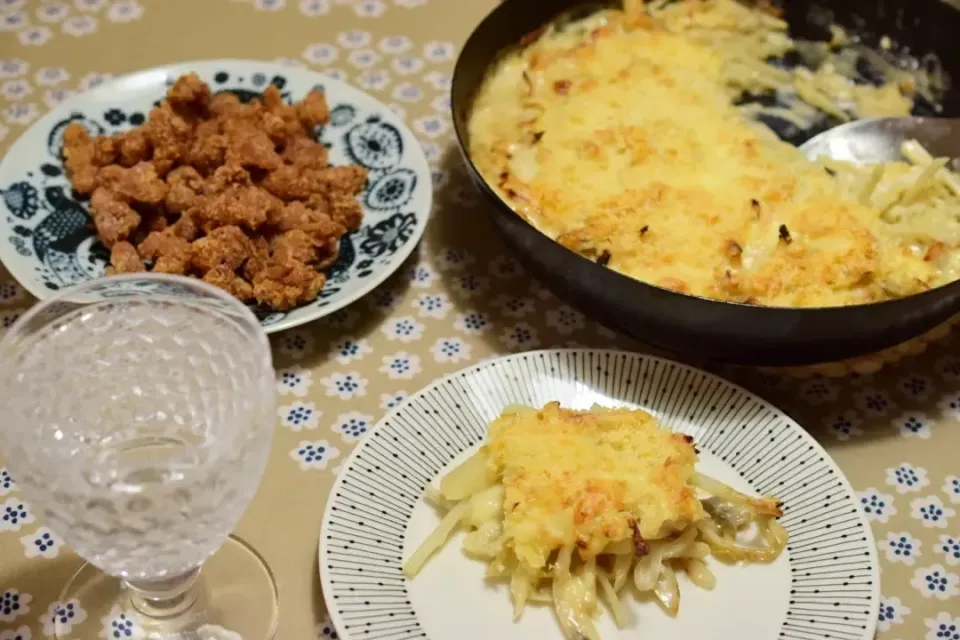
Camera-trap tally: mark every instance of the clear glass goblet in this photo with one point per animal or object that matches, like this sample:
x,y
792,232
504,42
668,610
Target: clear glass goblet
x,y
137,418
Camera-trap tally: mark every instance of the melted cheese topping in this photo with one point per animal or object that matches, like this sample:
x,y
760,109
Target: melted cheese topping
x,y
589,479
618,137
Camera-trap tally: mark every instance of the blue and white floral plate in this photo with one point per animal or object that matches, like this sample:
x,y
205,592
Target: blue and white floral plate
x,y
826,584
47,240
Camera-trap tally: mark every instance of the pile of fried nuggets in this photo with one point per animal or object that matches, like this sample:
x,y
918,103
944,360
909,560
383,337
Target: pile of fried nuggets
x,y
240,195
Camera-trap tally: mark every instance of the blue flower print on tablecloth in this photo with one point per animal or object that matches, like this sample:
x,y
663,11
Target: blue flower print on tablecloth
x,y
433,305
326,630
341,320
385,299
877,506
844,425
7,485
504,267
914,424
345,385
948,367
121,624
520,337
915,386
540,291
453,259
951,487
469,285
299,416
354,39
315,454
60,618
373,80
407,92
874,402
514,306
294,381
11,293
472,322
439,80
423,276
450,350
353,426
394,45
349,349
320,53
950,405
901,548
400,365
125,11
14,604
403,329
392,400
432,126
439,51
931,512
891,612
565,320
406,65
441,103
7,320
42,543
818,391
363,58
314,8
295,344
907,478
935,582
943,627
14,514
21,633
949,546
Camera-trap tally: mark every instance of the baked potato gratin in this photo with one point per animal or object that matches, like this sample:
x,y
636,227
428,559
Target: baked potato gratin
x,y
624,136
572,507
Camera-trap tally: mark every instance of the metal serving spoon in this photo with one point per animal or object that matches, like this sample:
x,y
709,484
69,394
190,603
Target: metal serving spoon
x,y
879,139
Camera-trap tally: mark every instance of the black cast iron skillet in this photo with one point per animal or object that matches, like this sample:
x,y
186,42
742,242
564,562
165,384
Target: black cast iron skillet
x,y
693,326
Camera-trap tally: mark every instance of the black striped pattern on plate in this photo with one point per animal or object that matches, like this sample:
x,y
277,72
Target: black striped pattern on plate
x,y
834,577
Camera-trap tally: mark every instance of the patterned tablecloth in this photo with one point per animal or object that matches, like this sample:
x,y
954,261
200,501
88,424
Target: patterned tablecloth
x,y
461,298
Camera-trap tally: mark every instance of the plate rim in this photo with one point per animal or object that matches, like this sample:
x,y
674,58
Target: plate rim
x,y
322,547
424,172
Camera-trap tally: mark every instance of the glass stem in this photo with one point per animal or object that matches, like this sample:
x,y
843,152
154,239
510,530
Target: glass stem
x,y
167,598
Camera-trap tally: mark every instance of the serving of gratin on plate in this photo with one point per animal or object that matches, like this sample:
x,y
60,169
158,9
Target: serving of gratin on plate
x,y
594,495
624,136
570,506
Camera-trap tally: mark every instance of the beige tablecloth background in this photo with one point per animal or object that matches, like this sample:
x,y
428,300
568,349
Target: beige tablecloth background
x,y
461,298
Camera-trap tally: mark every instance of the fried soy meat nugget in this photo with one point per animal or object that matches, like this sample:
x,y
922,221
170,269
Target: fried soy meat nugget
x,y
259,258
317,224
225,104
207,151
313,110
125,259
139,183
285,285
278,119
225,177
248,207
249,146
190,96
170,136
132,147
114,219
227,246
226,278
184,187
296,245
342,208
80,158
168,252
305,153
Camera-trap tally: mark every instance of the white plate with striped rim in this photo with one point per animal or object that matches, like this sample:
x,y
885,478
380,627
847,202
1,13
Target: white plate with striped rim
x,y
824,585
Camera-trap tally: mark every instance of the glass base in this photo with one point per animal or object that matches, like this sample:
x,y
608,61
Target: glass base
x,y
235,598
